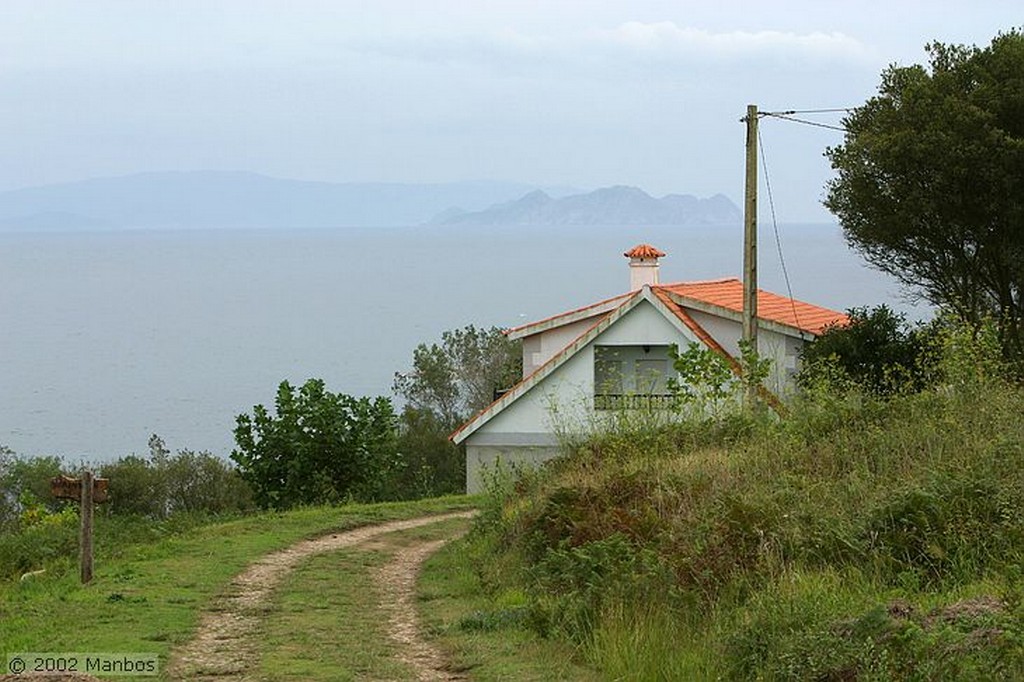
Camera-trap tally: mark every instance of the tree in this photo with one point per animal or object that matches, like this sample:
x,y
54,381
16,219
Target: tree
x,y
319,447
459,377
448,383
878,351
431,464
930,184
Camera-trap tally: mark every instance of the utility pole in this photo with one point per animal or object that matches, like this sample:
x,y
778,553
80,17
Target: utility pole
x,y
750,243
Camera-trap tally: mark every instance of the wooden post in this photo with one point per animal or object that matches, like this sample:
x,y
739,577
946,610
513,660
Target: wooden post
x,y
750,243
86,490
85,535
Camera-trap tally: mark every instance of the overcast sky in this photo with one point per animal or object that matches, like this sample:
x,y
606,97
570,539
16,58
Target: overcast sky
x,y
587,94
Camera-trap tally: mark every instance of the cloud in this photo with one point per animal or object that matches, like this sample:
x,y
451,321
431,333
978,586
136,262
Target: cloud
x,y
631,45
666,37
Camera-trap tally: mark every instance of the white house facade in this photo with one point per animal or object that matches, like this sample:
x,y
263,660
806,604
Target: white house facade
x,y
614,354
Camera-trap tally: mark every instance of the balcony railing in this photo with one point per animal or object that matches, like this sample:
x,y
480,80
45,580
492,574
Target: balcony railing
x,y
632,401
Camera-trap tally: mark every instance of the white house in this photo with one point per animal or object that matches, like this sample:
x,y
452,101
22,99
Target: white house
x,y
614,354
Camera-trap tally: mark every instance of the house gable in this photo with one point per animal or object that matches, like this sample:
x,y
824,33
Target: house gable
x,y
643,318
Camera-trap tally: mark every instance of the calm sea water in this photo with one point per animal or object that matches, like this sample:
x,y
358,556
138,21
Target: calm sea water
x,y
106,338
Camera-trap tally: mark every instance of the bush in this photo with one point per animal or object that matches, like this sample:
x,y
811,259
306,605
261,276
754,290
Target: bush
x,y
166,484
877,351
319,447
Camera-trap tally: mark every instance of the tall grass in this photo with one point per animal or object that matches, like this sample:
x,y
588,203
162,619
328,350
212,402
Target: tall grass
x,y
857,538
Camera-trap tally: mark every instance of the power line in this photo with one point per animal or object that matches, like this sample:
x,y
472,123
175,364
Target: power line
x,y
775,226
785,117
834,110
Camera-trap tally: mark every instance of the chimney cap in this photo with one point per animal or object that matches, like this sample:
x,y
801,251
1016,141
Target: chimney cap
x,y
643,251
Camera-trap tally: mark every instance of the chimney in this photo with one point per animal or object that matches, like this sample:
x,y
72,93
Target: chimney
x,y
643,266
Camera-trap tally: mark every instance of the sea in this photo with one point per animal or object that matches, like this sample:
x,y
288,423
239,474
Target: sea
x,y
109,337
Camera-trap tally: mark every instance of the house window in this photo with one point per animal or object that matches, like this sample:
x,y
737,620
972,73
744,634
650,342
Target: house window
x,y
608,375
652,376
631,377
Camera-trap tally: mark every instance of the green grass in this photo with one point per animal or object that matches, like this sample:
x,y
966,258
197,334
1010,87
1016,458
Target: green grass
x,y
487,637
148,598
325,621
858,538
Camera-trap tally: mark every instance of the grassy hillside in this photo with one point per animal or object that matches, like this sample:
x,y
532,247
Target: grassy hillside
x,y
856,539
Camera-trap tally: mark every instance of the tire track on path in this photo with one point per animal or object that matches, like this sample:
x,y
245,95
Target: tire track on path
x,y
224,647
397,583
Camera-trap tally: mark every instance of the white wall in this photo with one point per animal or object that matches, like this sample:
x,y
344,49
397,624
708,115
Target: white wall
x,y
526,431
484,461
781,349
539,348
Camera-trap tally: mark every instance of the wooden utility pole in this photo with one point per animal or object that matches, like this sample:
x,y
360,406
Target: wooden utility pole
x,y
85,536
750,242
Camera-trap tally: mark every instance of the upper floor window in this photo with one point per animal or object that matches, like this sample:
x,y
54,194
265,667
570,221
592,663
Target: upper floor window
x,y
631,376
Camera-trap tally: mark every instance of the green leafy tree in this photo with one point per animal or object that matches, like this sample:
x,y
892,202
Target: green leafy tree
x,y
164,484
136,488
877,351
202,482
930,184
8,496
28,482
459,376
431,464
448,382
318,447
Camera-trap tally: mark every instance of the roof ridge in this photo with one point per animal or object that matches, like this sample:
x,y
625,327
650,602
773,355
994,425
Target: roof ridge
x,y
566,313
718,280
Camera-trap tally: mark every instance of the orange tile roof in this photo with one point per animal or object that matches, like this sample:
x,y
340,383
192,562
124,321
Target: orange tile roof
x,y
728,294
643,251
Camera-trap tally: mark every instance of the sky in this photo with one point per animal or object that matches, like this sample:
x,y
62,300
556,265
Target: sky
x,y
570,93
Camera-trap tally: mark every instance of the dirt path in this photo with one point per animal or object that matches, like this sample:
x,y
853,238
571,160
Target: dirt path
x,y
224,648
397,582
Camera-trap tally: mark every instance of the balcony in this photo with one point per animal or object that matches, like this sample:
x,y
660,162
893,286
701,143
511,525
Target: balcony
x,y
633,401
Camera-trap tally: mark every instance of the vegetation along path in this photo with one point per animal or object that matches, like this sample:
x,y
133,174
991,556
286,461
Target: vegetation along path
x,y
225,645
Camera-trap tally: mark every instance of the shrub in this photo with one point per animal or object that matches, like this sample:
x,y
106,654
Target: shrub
x,y
877,351
319,447
165,484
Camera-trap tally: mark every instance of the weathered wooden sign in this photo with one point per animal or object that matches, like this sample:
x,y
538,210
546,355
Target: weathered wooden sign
x,y
68,488
86,490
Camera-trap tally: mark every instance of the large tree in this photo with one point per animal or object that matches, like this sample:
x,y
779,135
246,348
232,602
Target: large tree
x,y
459,376
448,382
930,184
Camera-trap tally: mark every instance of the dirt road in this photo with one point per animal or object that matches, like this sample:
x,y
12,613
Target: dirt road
x,y
225,647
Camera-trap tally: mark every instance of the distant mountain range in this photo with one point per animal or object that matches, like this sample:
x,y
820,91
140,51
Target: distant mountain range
x,y
227,199
607,206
